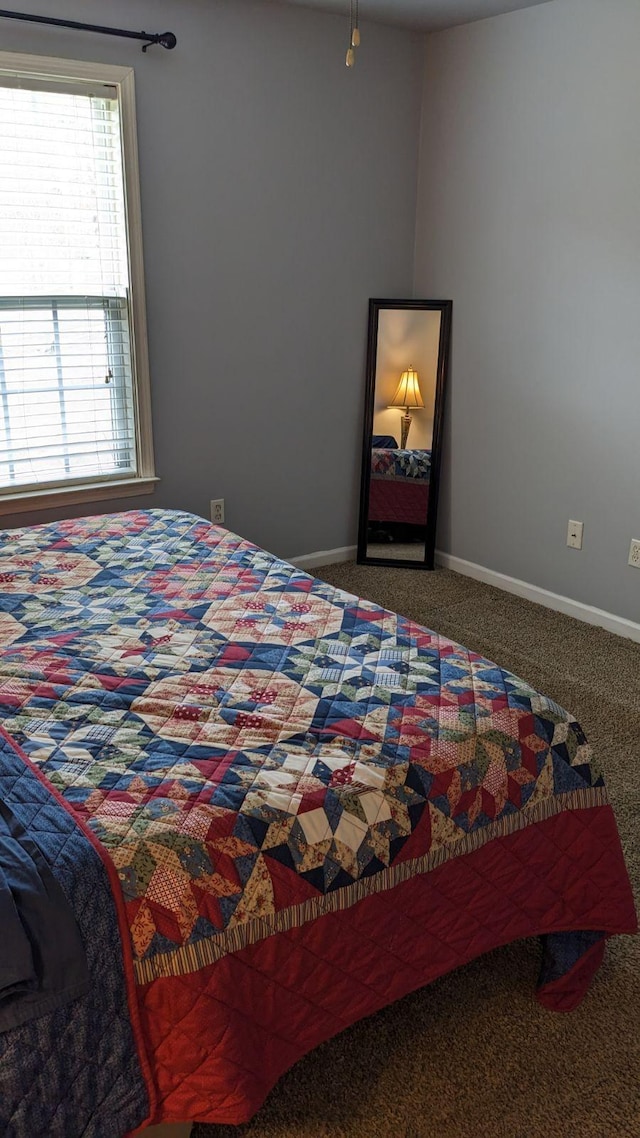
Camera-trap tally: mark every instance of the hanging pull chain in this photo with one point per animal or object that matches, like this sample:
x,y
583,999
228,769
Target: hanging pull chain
x,y
355,29
354,32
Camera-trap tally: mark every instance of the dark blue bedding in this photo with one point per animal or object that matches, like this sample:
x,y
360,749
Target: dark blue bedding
x,y
72,1071
42,958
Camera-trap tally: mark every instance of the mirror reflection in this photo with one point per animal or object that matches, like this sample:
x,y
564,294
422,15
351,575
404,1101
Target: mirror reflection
x,y
404,412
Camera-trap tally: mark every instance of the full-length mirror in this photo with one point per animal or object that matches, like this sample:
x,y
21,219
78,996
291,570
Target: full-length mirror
x,y
406,374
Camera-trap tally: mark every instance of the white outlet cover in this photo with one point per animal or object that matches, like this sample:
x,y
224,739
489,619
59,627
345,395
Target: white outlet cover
x,y
634,553
217,511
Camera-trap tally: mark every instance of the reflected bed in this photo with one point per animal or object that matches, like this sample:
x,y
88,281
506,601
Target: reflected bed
x,y
399,491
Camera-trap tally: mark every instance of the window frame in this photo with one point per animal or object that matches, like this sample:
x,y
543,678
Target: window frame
x,y
14,501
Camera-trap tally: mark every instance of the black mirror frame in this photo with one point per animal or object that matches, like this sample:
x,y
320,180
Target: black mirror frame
x,y
445,307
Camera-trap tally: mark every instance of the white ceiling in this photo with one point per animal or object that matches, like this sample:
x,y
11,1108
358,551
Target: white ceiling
x,y
427,15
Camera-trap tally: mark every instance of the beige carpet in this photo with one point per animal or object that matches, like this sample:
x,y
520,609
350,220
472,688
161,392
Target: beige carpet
x,y
397,551
473,1056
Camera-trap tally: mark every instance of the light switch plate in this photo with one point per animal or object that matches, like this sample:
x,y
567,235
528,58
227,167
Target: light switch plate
x,y
574,534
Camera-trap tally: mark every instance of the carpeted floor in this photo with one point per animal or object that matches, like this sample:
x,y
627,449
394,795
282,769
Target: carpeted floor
x,y
473,1056
397,551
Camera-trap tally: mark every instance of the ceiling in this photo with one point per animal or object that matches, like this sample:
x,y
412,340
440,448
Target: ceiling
x,y
426,15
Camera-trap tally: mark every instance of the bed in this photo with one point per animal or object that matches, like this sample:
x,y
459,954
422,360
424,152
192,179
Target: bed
x,y
399,486
272,808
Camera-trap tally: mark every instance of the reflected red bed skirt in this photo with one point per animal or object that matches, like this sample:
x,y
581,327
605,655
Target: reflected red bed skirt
x,y
404,502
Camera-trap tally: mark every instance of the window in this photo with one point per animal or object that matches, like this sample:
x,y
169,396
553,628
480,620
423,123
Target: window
x,y
74,387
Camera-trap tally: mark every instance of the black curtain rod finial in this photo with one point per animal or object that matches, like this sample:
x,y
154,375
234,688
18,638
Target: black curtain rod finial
x,y
165,39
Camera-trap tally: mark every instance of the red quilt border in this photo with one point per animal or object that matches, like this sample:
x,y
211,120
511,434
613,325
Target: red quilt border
x,y
606,905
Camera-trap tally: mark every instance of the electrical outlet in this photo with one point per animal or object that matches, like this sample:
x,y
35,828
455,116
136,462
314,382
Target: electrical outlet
x,y
217,511
634,553
574,534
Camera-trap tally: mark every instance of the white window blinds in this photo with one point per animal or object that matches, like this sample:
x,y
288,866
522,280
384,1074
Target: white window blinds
x,y
67,406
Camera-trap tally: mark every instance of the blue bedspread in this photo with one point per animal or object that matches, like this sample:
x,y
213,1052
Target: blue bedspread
x,y
72,1072
43,964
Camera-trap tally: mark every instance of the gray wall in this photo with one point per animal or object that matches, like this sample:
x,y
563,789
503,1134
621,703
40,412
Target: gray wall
x,y
529,217
278,194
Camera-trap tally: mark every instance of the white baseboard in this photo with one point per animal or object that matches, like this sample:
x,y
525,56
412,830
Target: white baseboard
x,y
587,613
620,625
324,557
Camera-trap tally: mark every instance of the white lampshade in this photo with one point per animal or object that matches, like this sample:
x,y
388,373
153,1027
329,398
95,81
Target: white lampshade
x,y
408,393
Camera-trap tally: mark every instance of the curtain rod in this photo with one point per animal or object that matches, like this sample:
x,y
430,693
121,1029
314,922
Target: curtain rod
x,y
165,39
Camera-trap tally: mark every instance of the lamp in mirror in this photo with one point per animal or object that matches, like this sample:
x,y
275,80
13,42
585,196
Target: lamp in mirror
x,y
407,396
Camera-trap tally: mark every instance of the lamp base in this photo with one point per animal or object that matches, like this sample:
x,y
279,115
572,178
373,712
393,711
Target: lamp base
x,y
405,423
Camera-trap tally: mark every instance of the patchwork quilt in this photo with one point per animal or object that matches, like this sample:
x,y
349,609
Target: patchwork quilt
x,y
401,464
294,805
